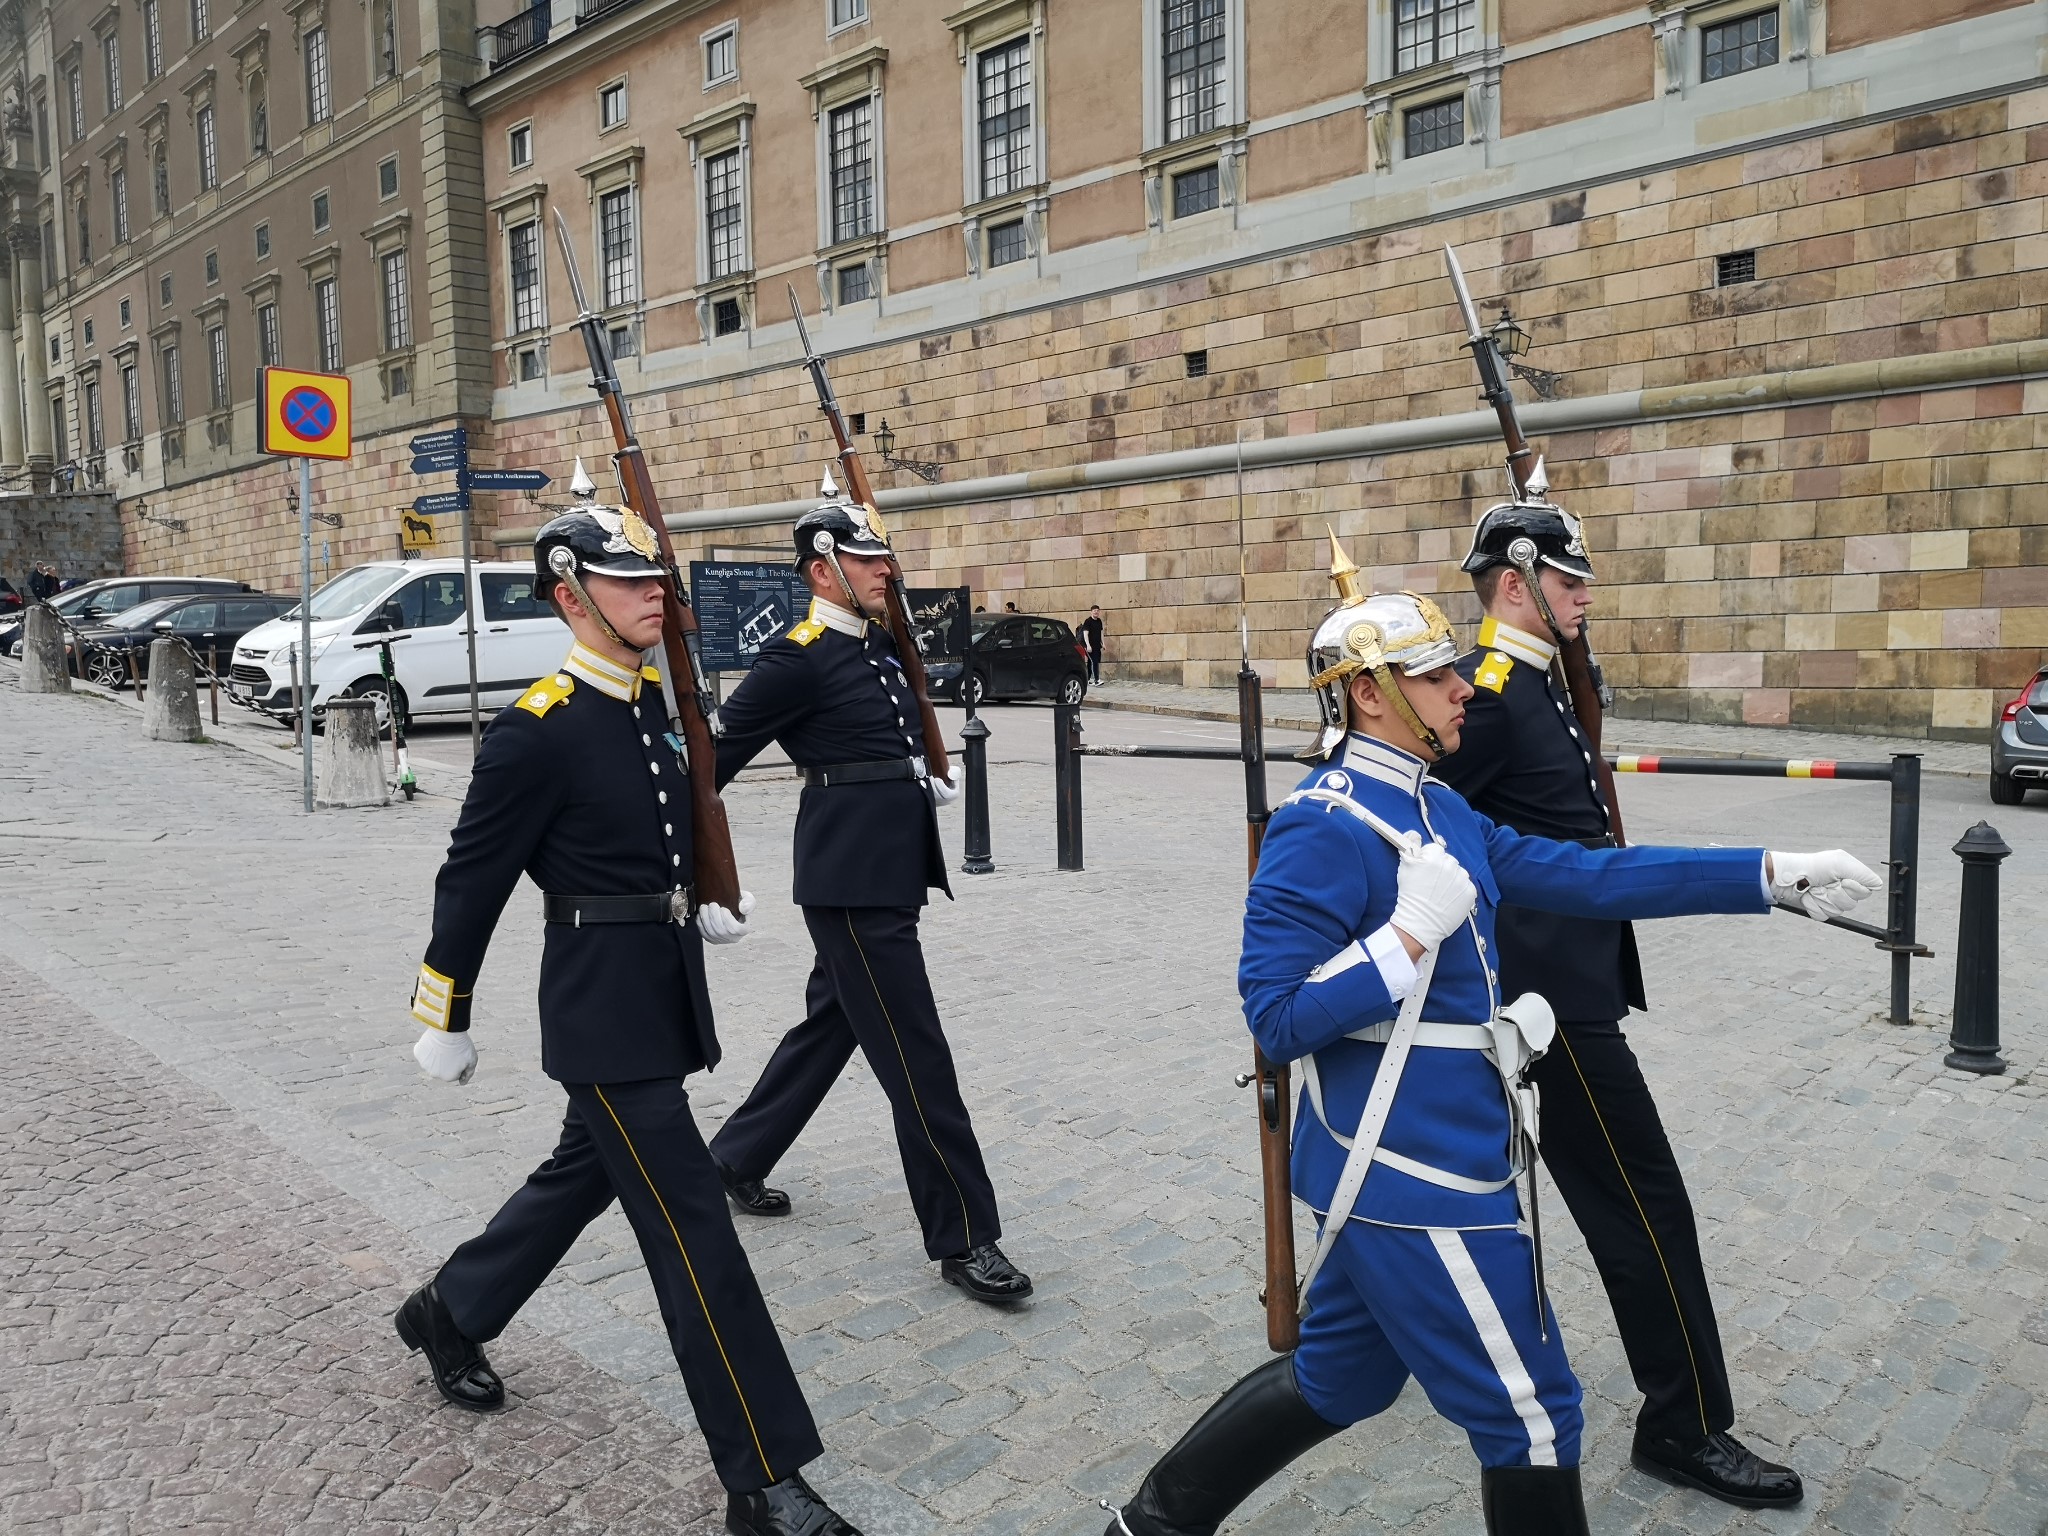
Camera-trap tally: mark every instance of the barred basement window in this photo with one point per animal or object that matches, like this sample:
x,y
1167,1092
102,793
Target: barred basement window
x,y
1738,45
1440,125
857,423
1197,363
726,319
1431,31
1197,191
1006,243
856,284
1735,267
1195,91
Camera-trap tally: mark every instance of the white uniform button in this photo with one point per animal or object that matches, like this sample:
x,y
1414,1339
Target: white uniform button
x,y
675,858
654,768
668,828
636,711
662,796
646,741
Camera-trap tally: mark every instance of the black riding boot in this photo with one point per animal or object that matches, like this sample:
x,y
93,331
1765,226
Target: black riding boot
x,y
1248,1434
1532,1501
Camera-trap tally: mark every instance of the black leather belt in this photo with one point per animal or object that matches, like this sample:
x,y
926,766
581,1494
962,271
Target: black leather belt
x,y
661,907
1604,840
866,773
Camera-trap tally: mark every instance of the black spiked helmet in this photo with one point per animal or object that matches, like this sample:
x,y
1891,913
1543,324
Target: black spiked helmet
x,y
1528,534
836,527
602,541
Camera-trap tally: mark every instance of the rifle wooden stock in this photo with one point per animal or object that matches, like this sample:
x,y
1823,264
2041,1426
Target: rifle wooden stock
x,y
1275,1104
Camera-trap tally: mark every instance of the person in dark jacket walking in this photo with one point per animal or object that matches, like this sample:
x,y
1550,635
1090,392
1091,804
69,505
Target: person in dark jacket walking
x,y
1091,637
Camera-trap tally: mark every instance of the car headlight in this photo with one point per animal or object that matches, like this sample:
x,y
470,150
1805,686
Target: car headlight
x,y
320,646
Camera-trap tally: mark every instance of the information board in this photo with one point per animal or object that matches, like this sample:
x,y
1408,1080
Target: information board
x,y
940,619
741,607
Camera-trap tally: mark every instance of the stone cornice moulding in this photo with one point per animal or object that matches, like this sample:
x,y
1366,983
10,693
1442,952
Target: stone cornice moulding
x,y
156,123
251,55
854,74
107,21
390,233
989,21
264,290
114,154
518,198
728,116
582,47
215,306
606,167
166,334
306,15
199,93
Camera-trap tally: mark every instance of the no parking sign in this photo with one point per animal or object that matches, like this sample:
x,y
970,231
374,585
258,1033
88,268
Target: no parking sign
x,y
305,415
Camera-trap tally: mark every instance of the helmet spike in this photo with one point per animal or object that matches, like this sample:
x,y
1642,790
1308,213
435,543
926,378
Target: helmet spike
x,y
1343,573
1539,481
581,486
829,488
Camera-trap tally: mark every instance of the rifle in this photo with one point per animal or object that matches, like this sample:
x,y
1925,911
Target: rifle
x,y
715,872
1283,1320
1579,670
863,491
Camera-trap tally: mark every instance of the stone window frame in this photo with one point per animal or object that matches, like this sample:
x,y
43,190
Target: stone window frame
x,y
511,145
622,166
527,204
78,193
167,358
1678,45
323,264
252,78
625,118
1225,146
113,156
153,51
834,84
863,14
389,236
717,34
200,96
126,358
307,17
1390,95
106,28
723,130
70,71
976,29
266,289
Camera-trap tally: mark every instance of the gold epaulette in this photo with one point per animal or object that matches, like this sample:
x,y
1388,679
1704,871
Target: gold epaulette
x,y
547,693
807,631
651,674
1493,672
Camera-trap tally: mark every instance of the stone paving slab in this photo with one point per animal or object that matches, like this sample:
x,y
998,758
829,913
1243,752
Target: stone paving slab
x,y
1871,1219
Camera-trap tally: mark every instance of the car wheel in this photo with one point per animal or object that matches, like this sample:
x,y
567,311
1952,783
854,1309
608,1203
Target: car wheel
x,y
2007,790
1073,688
977,689
376,689
106,668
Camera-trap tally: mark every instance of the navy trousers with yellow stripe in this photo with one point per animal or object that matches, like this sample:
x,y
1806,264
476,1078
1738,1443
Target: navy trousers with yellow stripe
x,y
639,1143
869,988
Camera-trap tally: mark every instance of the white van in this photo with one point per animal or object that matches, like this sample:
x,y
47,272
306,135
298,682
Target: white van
x,y
419,606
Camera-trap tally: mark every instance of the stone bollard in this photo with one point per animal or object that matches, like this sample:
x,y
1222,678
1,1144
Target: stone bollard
x,y
352,767
170,709
42,652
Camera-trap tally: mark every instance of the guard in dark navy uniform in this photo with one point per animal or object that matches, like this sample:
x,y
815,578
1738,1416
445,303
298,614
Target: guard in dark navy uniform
x,y
832,692
1526,765
581,786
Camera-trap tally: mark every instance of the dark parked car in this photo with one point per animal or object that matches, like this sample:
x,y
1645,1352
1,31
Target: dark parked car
x,y
2019,744
10,600
210,623
1014,656
94,601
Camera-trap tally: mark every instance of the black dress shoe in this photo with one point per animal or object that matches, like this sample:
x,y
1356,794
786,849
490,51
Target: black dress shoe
x,y
788,1508
751,1195
1532,1501
1720,1465
459,1368
983,1273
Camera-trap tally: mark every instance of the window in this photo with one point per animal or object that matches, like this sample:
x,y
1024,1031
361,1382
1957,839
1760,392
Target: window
x,y
621,341
319,99
60,434
1003,85
268,348
212,269
195,618
42,133
611,105
49,252
430,601
131,403
1006,243
1430,31
217,365
721,57
95,424
327,321
724,215
1735,267
202,20
519,143
397,290
856,284
386,19
1195,87
726,318
1196,363
853,170
174,387
56,349
387,178
160,182
1738,45
1441,125
615,247
117,185
110,53
846,12
209,151
1197,191
163,291
524,243
529,364
74,90
319,212
245,613
152,38
509,595
262,241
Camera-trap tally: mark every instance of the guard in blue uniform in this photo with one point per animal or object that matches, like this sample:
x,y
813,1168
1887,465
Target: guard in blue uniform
x,y
832,692
581,786
1526,765
1369,961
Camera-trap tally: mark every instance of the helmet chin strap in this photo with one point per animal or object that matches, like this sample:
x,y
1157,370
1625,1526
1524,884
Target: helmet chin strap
x,y
1522,555
1392,692
563,564
853,604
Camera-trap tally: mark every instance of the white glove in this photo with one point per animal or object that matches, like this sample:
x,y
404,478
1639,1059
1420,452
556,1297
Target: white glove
x,y
1824,884
449,1055
1436,896
947,789
720,926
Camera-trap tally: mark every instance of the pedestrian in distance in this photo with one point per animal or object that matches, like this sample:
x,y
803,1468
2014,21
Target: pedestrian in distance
x,y
1091,637
580,786
832,692
42,582
1527,765
1369,960
1009,607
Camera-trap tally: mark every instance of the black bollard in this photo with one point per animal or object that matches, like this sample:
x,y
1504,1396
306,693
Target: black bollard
x,y
974,747
1973,1035
1066,773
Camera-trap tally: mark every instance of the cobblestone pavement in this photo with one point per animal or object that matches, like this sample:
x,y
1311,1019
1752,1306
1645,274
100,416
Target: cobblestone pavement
x,y
222,982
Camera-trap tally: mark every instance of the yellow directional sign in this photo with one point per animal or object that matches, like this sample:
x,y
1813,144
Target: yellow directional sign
x,y
305,415
415,531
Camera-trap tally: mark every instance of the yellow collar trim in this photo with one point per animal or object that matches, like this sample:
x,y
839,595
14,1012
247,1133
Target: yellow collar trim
x,y
832,616
602,673
1518,643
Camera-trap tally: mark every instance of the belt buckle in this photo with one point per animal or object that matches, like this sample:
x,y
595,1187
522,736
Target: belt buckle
x,y
920,769
681,904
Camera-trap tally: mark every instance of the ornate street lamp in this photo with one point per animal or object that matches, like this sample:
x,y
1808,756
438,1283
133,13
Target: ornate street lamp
x,y
885,445
1512,342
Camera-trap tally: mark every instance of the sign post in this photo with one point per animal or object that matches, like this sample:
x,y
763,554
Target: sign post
x,y
435,453
305,416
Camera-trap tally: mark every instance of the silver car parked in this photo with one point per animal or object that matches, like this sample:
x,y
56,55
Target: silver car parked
x,y
2019,744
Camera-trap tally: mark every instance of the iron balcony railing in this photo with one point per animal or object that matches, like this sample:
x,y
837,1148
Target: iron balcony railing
x,y
520,36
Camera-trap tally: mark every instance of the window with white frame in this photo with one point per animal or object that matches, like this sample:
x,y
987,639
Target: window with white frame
x,y
851,148
856,283
209,154
1739,44
202,20
397,287
1196,65
1007,243
522,243
845,13
519,146
327,323
319,84
722,56
174,386
387,179
615,244
95,423
131,403
1003,100
110,55
611,105
74,91
269,342
152,38
117,185
724,214
1431,31
217,365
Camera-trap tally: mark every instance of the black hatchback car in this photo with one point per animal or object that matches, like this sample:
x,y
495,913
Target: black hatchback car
x,y
210,622
1014,656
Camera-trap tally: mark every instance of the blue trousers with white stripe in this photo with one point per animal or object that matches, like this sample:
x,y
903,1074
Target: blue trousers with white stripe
x,y
1455,1310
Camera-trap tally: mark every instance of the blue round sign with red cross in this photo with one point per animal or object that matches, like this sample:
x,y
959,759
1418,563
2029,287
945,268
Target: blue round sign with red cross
x,y
309,414
305,415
